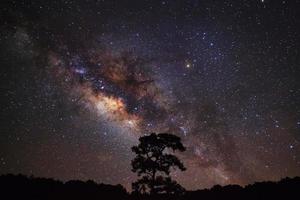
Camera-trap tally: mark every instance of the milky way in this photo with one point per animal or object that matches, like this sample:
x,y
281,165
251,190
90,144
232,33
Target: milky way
x,y
81,81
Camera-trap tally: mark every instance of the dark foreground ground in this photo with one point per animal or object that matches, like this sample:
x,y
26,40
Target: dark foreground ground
x,y
22,187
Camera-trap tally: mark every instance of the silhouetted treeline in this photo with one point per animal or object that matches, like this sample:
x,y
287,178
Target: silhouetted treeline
x,y
288,188
23,187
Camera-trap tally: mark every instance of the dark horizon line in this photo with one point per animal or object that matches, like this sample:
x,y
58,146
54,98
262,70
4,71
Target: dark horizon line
x,y
119,184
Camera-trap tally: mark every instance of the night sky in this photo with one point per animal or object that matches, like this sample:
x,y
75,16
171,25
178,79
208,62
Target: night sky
x,y
81,81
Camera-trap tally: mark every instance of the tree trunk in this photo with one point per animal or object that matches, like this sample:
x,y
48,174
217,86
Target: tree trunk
x,y
152,182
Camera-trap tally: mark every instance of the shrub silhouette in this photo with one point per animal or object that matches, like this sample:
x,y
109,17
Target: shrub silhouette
x,y
153,163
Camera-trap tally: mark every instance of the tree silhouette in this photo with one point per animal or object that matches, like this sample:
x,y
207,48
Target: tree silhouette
x,y
153,163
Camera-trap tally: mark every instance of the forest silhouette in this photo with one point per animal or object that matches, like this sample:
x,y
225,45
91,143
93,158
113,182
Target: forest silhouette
x,y
23,187
153,163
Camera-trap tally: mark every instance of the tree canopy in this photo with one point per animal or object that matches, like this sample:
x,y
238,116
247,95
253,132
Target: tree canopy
x,y
153,163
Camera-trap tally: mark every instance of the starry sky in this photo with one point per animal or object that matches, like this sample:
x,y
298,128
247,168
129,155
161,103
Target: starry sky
x,y
82,80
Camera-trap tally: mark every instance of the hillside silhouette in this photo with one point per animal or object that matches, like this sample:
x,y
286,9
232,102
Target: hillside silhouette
x,y
23,187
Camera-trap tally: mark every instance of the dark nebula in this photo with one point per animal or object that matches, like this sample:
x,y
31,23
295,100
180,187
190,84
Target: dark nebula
x,y
82,80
